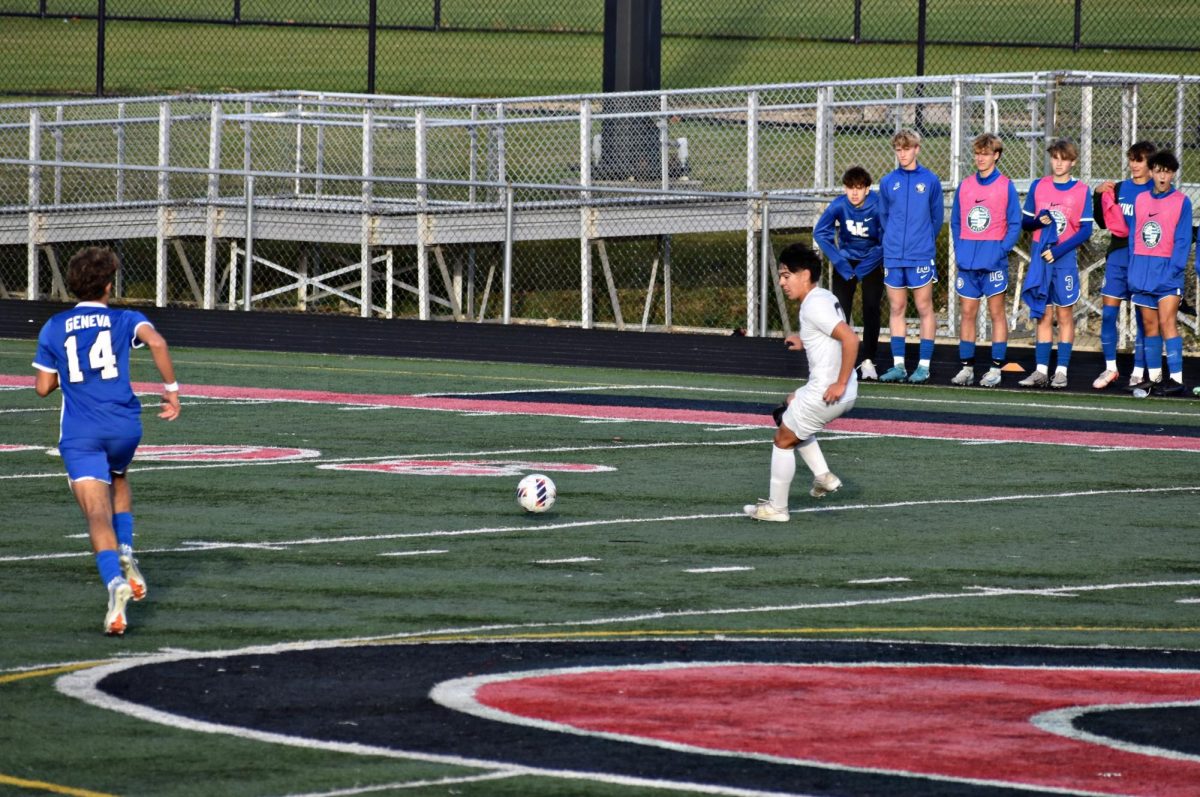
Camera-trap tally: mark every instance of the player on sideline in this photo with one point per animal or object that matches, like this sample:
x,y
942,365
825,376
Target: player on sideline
x,y
913,209
85,351
1061,200
1112,208
829,392
849,233
1160,241
985,223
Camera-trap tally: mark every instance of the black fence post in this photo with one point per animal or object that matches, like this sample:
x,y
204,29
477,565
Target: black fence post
x,y
857,22
101,17
372,30
237,12
922,7
42,8
437,15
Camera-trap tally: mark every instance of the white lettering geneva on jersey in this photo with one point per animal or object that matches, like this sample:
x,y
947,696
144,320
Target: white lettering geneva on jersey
x,y
819,314
77,322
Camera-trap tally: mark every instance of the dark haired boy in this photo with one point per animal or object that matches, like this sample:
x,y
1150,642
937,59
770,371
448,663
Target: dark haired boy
x,y
85,351
1160,241
1112,208
849,233
830,391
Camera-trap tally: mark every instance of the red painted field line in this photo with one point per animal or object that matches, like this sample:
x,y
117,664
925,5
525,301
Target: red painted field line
x,y
889,428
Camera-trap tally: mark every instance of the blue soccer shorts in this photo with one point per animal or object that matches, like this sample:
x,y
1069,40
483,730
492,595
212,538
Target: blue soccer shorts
x,y
97,458
1064,287
908,276
978,284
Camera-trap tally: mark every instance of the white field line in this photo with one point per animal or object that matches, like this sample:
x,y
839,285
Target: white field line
x,y
884,580
725,569
444,455
412,784
191,546
430,552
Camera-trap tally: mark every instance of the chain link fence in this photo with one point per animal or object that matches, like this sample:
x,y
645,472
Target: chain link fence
x,y
490,48
526,210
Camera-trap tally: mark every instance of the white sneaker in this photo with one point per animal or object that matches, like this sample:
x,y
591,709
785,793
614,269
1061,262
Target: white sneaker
x,y
866,370
119,594
824,484
765,510
1136,381
965,376
1035,379
991,378
1059,381
1105,379
129,567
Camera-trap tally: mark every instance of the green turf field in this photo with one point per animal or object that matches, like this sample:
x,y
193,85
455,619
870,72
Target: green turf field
x,y
930,539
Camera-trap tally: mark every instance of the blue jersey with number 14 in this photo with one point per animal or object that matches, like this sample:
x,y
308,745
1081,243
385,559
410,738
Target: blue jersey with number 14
x,y
88,346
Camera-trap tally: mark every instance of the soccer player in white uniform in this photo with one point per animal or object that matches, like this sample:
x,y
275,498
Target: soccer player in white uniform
x,y
829,392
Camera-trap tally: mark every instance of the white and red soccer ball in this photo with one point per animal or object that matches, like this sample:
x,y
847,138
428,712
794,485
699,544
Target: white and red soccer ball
x,y
536,493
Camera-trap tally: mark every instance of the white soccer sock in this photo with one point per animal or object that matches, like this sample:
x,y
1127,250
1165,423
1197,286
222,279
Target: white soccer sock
x,y
1110,365
898,362
1062,369
1045,369
1177,376
1155,374
783,469
810,452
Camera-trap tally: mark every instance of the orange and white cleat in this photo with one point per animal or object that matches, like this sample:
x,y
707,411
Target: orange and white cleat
x,y
119,593
129,567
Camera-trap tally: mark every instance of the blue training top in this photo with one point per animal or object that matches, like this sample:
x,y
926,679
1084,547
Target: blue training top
x,y
913,210
88,346
851,236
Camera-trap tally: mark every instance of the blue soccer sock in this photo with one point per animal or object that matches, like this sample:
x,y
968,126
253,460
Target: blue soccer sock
x,y
926,351
123,526
898,350
109,566
1041,355
1174,347
1064,355
1108,335
966,351
1154,355
999,353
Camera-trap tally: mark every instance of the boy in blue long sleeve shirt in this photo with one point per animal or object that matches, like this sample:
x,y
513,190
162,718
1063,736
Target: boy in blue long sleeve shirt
x,y
849,234
913,209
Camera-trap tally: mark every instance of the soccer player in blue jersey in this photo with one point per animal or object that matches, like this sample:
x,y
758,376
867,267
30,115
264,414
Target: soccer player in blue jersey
x,y
913,209
85,351
985,223
849,233
1112,209
1057,200
1160,243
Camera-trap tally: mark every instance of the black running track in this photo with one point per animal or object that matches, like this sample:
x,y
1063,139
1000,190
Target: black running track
x,y
339,334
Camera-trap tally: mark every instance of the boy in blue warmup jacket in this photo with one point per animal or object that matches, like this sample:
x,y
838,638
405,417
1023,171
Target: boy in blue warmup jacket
x,y
849,234
913,209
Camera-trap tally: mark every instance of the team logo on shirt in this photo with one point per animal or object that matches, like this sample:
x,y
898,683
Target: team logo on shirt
x,y
921,188
979,218
1151,234
1060,220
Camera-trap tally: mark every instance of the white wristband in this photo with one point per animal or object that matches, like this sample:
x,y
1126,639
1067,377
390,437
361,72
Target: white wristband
x,y
171,388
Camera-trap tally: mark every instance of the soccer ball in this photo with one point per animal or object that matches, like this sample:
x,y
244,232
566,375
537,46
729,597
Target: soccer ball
x,y
536,493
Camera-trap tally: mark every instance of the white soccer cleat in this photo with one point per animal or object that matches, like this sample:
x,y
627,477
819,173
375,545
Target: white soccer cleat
x,y
825,484
119,594
1059,381
1105,379
765,510
866,370
129,567
991,378
965,376
1035,379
